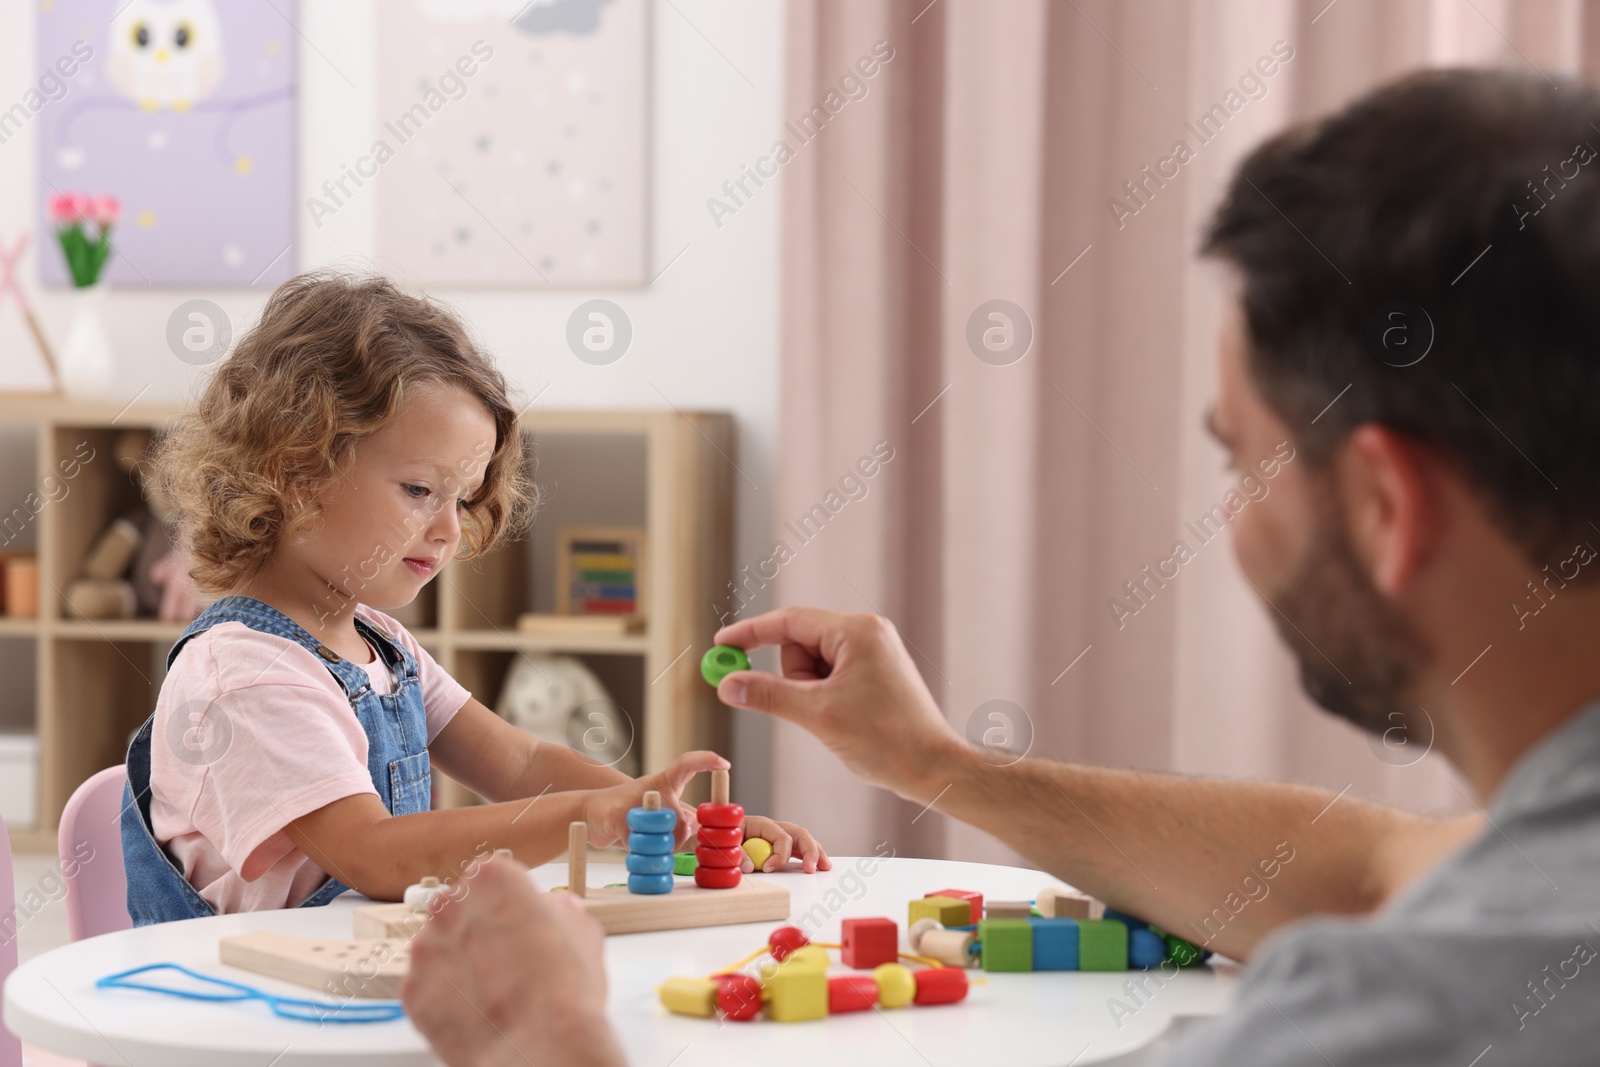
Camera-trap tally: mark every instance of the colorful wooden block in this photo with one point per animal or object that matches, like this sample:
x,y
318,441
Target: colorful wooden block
x,y
809,956
759,849
947,910
795,994
1007,944
689,996
1055,902
1102,945
1055,944
851,992
1008,909
940,985
975,899
1146,948
896,984
865,943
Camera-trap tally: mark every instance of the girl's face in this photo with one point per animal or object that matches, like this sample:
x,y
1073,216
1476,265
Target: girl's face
x,y
391,517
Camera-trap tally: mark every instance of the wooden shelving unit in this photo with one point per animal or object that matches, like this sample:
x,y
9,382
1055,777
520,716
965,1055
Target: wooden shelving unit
x,y
667,471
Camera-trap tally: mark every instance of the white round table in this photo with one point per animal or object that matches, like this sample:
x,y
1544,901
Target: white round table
x,y
1018,1020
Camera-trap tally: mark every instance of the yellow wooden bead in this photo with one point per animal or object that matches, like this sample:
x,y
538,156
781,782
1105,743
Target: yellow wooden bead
x,y
759,849
796,994
689,996
808,956
896,984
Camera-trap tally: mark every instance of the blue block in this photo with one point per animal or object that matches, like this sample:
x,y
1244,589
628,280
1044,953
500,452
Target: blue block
x,y
1055,944
645,821
640,863
649,884
1146,948
650,844
1127,920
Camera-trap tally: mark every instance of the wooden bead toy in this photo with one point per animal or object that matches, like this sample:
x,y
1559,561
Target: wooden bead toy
x,y
721,836
1006,944
1145,948
1129,921
738,996
851,992
650,842
718,868
918,930
784,940
1055,902
721,661
865,943
948,910
940,985
759,849
1102,945
974,899
1184,953
1055,944
689,996
1008,909
954,948
418,896
808,956
896,985
795,994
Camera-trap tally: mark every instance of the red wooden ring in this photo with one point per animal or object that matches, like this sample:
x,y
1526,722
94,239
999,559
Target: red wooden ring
x,y
722,836
716,877
719,857
720,815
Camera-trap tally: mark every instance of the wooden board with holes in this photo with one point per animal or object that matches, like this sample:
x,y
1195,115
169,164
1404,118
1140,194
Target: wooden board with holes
x,y
753,900
388,920
363,967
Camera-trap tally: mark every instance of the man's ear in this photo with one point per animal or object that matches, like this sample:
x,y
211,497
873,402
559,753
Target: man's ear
x,y
1391,506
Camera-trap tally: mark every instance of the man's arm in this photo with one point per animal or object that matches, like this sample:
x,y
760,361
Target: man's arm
x,y
1251,856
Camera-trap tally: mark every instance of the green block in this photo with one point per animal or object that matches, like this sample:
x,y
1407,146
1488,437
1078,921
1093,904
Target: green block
x,y
1184,953
947,910
684,863
1008,944
1102,945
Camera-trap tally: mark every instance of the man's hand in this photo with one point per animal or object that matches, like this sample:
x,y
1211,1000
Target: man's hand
x,y
849,680
504,975
606,810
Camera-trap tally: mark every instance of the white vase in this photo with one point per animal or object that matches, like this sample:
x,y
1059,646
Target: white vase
x,y
85,359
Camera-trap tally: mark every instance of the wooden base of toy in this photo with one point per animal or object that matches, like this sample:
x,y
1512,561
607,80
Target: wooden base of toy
x,y
357,968
751,901
388,920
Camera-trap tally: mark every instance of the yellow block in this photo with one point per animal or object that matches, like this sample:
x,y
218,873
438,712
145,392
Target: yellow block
x,y
796,994
948,910
689,996
808,956
896,984
759,849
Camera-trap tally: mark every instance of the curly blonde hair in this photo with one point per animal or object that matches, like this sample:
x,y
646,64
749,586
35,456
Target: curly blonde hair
x,y
325,366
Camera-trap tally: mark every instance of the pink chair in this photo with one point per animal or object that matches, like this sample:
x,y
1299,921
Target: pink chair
x,y
90,849
10,1047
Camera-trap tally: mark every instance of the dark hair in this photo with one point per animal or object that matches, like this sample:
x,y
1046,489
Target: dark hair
x,y
1473,195
327,364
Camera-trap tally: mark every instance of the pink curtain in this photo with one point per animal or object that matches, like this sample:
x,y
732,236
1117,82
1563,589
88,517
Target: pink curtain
x,y
953,153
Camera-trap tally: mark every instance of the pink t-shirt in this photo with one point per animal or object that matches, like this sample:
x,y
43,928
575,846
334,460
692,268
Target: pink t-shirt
x,y
296,746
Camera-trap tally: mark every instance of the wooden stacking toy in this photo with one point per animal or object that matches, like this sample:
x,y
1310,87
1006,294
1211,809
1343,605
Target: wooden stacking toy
x,y
794,985
721,838
649,859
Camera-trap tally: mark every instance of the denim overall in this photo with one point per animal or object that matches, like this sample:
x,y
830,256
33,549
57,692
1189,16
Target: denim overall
x,y
397,757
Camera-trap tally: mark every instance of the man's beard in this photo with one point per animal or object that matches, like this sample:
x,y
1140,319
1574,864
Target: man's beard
x,y
1358,655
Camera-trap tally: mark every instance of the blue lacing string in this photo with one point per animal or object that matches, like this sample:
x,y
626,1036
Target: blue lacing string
x,y
310,1011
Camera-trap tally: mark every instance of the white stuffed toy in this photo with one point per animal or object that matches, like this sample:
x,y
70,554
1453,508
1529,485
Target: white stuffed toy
x,y
558,699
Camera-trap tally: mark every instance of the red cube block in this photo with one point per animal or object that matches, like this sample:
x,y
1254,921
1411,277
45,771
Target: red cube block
x,y
851,992
975,899
865,943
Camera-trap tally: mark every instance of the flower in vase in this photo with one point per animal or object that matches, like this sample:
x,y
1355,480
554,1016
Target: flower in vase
x,y
64,208
86,255
105,211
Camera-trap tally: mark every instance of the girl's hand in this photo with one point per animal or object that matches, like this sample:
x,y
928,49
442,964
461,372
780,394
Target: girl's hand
x,y
606,810
786,839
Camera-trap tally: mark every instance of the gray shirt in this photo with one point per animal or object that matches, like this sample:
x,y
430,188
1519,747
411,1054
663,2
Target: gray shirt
x,y
1493,958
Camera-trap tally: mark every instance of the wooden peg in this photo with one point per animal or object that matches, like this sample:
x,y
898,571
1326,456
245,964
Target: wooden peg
x,y
719,786
502,854
652,801
578,858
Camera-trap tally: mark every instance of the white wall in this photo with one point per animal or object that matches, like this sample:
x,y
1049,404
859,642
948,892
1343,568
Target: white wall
x,y
705,335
